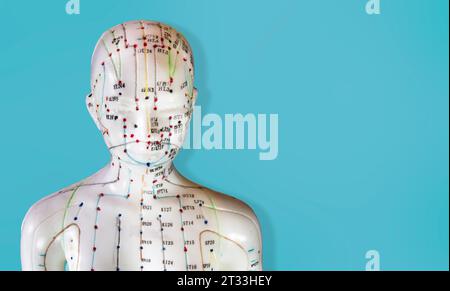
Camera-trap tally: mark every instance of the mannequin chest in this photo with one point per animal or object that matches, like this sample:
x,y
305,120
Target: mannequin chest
x,y
173,232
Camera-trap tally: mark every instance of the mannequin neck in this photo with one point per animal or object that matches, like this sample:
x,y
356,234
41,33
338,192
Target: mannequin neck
x,y
149,175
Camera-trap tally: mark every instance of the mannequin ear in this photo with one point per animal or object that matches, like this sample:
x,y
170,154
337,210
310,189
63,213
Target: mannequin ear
x,y
91,109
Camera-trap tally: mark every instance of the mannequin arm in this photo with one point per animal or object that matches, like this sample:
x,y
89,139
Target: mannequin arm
x,y
249,230
41,248
238,225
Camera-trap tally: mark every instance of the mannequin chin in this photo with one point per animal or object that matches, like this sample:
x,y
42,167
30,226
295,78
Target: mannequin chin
x,y
138,212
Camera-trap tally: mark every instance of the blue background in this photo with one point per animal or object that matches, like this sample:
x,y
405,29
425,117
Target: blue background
x,y
363,110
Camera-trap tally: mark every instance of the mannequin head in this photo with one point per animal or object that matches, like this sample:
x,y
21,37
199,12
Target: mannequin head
x,y
142,91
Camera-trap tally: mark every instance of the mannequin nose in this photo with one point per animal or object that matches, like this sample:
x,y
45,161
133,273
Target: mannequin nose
x,y
139,128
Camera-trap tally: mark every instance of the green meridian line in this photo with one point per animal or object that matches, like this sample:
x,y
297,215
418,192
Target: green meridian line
x,y
189,80
172,64
67,207
214,209
69,201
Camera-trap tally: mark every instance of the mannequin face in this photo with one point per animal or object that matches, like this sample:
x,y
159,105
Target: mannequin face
x,y
142,91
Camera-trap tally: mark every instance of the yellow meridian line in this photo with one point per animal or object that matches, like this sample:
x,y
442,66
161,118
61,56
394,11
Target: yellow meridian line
x,y
147,113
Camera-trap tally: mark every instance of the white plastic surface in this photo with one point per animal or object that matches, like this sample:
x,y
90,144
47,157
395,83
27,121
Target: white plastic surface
x,y
138,212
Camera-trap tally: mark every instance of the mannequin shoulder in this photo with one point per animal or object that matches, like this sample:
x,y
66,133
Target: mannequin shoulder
x,y
236,222
48,209
231,208
219,202
53,206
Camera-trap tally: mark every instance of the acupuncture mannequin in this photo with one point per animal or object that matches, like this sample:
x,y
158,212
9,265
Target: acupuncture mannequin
x,y
138,212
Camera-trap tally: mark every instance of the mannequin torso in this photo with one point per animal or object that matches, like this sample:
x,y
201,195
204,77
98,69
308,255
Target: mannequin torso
x,y
127,222
138,213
